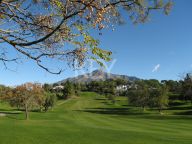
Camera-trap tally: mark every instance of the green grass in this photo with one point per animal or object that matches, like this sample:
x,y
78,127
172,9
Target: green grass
x,y
90,119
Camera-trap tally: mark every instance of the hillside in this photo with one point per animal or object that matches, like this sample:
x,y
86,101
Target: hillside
x,y
98,75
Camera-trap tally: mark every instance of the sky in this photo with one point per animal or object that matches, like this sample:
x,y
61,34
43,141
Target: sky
x,y
160,49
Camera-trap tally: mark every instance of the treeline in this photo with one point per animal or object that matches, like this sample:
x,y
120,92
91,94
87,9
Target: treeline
x,y
155,94
107,87
144,93
141,93
36,97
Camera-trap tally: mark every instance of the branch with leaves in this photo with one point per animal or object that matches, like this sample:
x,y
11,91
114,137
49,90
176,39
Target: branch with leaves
x,y
60,29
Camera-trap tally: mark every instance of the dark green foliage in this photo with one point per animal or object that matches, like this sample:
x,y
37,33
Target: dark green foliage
x,y
4,92
47,87
77,89
159,98
106,87
152,83
187,88
149,93
139,97
68,90
173,86
50,100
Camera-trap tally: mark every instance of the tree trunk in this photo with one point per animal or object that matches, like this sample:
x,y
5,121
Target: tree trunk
x,y
26,112
160,109
143,108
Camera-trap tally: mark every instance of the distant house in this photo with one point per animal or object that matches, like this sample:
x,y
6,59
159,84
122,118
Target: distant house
x,y
126,87
31,86
59,87
122,88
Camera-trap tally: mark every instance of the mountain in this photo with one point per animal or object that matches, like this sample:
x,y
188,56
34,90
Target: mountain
x,y
97,75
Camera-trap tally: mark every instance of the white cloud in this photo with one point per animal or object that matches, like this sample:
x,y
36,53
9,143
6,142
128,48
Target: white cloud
x,y
156,68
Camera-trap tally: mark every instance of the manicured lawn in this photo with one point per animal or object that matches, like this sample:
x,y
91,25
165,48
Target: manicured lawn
x,y
90,119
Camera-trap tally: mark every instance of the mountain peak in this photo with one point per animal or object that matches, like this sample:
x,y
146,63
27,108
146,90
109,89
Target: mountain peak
x,y
99,71
97,75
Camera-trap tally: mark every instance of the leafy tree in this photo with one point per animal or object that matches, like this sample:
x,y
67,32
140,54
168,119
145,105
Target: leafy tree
x,y
27,96
47,87
149,93
68,90
83,87
50,100
40,29
110,91
187,88
2,91
140,96
159,97
77,88
121,82
173,86
152,83
5,93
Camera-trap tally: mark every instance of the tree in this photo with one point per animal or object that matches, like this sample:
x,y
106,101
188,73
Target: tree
x,y
149,93
68,90
5,92
159,97
152,83
110,91
27,96
50,100
41,29
187,87
173,86
77,88
47,87
140,96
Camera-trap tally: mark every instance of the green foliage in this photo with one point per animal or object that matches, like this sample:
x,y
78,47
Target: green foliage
x,y
173,86
139,98
68,90
91,44
187,88
149,93
77,89
159,98
111,97
50,100
48,87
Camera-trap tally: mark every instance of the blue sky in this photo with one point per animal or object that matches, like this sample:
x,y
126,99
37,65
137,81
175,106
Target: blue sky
x,y
160,48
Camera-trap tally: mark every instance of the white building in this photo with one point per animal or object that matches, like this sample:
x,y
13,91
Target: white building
x,y
60,87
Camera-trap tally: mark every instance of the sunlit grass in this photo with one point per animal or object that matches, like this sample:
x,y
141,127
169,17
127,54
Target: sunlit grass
x,y
91,119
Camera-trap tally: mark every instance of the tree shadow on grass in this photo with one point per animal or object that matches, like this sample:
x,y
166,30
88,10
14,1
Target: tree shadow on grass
x,y
132,113
184,113
180,108
113,111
